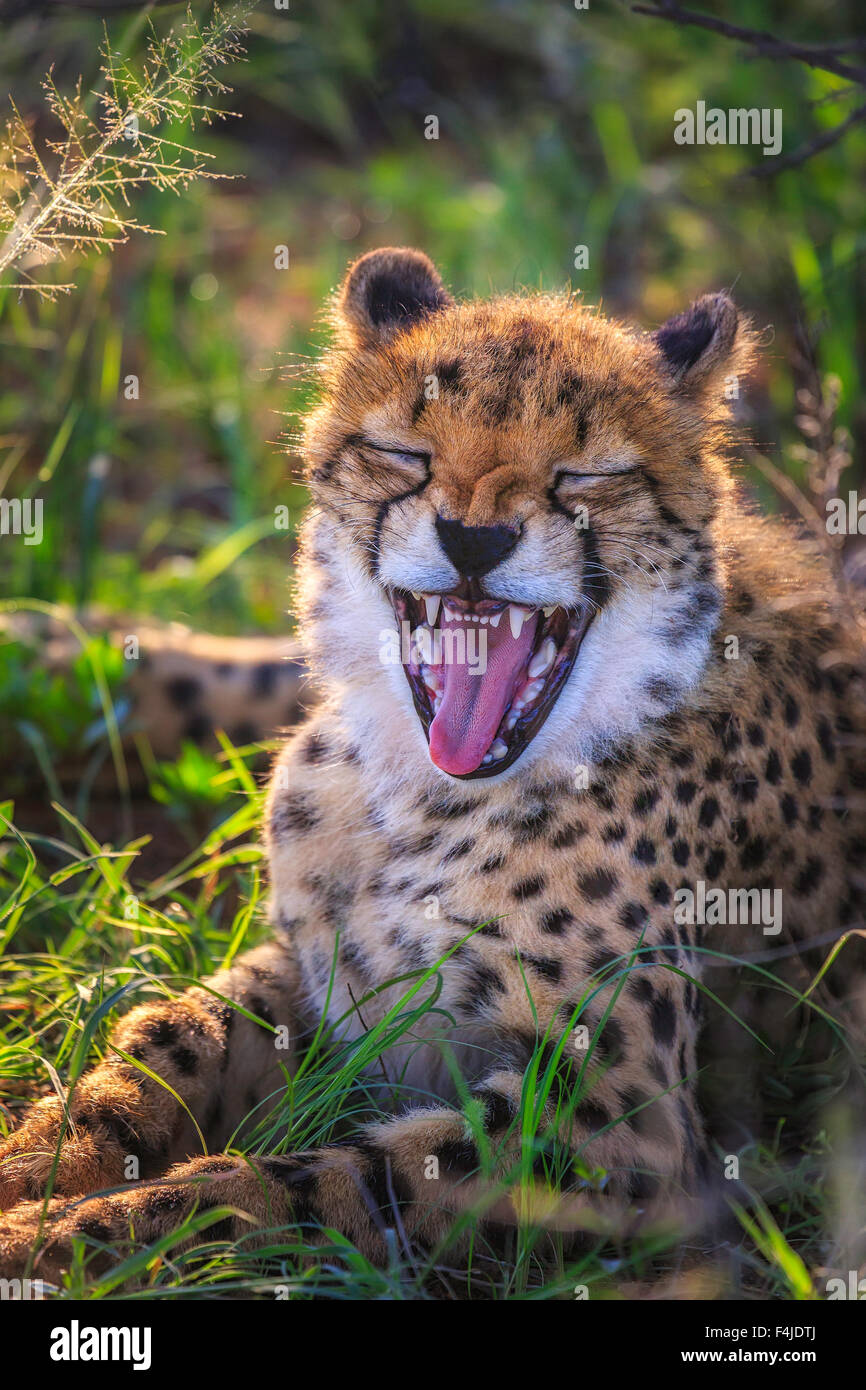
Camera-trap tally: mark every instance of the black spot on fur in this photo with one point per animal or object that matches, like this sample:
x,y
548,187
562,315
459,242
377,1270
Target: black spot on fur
x,y
593,1115
663,1020
265,677
528,887
548,969
790,811
316,749
826,740
161,1033
183,691
261,1009
597,885
292,814
493,863
482,988
645,800
644,851
555,922
185,1060
458,1156
458,851
633,916
801,766
773,771
198,729
745,786
660,891
810,876
753,853
569,835
499,1109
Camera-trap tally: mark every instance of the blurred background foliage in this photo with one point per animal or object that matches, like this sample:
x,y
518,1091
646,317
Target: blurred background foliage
x,y
555,129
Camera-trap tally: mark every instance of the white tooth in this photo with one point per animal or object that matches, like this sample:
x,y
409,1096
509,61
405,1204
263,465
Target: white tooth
x,y
431,603
433,681
486,759
417,596
498,750
543,659
552,609
495,618
529,692
484,618
436,703
517,617
512,720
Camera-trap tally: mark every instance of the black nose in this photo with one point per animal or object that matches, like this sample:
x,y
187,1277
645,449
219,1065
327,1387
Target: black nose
x,y
475,550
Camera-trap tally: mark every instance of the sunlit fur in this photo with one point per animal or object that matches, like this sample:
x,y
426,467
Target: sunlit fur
x,y
527,387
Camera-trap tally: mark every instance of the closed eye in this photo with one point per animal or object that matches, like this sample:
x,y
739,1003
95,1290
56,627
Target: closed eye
x,y
572,476
408,458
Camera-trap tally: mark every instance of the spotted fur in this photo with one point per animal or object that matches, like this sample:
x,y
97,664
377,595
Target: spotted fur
x,y
665,759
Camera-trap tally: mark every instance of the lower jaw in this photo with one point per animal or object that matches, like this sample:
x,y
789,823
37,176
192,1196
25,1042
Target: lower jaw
x,y
567,628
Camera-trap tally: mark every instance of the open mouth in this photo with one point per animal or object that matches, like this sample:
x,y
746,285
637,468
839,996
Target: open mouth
x,y
484,675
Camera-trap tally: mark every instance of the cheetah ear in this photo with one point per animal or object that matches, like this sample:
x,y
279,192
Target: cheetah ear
x,y
387,291
698,343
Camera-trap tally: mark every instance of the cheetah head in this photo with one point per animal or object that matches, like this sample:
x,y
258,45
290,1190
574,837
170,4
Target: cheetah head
x,y
525,495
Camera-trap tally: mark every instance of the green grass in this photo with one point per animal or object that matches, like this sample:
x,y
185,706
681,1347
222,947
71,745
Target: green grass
x,y
82,937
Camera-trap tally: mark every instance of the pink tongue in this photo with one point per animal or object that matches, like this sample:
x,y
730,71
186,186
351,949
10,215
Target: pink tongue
x,y
473,704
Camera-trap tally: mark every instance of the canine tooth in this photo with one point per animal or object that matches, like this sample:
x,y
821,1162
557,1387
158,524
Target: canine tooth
x,y
517,617
498,750
543,659
431,603
495,618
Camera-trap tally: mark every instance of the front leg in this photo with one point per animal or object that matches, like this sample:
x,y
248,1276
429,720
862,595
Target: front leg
x,y
414,1174
218,1062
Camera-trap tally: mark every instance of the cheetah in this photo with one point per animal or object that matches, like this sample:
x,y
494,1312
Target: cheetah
x,y
566,683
